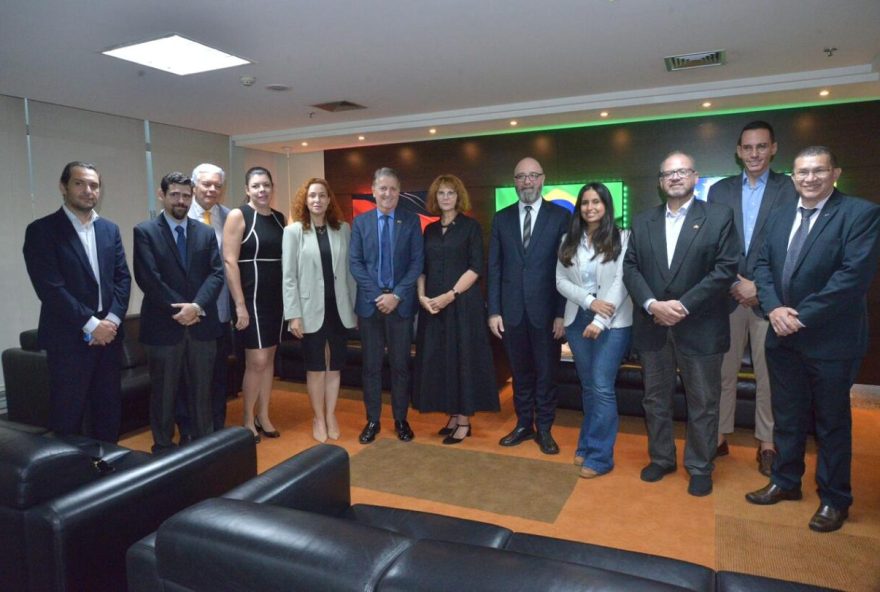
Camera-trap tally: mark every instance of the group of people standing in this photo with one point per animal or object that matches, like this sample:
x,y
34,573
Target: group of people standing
x,y
780,264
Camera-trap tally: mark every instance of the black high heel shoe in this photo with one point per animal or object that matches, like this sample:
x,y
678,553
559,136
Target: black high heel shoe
x,y
257,438
450,427
272,434
451,439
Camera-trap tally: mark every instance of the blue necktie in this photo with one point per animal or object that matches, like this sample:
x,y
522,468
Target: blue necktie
x,y
386,276
181,244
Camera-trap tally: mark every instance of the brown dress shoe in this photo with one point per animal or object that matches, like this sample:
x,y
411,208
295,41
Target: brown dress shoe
x,y
772,494
765,461
828,518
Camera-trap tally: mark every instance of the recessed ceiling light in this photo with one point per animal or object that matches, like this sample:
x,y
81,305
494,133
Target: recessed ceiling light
x,y
362,138
432,131
304,144
824,92
177,55
514,122
707,104
603,114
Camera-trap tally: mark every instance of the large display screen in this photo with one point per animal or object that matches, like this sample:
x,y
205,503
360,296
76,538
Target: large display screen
x,y
566,196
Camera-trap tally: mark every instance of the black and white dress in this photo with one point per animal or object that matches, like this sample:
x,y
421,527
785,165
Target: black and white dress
x,y
259,264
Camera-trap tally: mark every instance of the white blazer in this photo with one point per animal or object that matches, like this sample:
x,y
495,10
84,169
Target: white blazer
x,y
609,277
302,285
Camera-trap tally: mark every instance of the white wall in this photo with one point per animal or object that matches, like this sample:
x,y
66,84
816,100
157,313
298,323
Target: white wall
x,y
117,147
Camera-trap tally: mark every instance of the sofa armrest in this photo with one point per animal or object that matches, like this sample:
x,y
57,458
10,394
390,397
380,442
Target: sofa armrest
x,y
731,581
315,480
78,540
26,374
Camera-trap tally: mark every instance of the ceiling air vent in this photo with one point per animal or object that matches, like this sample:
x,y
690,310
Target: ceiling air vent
x,y
695,60
337,106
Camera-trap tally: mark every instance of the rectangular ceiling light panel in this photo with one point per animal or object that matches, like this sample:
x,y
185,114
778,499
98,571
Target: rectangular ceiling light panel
x,y
177,55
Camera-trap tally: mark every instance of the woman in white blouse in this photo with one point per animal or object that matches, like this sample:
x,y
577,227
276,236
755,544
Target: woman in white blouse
x,y
598,319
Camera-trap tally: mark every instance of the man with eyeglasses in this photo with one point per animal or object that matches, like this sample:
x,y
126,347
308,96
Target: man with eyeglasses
x,y
752,195
525,310
813,276
681,260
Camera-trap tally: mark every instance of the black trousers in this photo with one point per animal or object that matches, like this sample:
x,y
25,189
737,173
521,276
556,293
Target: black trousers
x,y
218,388
378,332
534,358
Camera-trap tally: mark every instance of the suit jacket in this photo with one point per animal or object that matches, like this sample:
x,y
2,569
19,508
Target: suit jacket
x,y
166,280
224,309
65,283
778,193
524,280
609,277
407,261
831,279
703,267
302,285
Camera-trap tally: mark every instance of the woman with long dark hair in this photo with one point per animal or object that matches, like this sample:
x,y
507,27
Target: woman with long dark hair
x,y
598,319
252,257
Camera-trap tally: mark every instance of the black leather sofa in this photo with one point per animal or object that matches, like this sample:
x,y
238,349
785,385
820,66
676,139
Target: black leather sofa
x,y
294,528
69,508
27,380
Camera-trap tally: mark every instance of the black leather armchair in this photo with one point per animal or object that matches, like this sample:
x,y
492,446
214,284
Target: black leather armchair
x,y
69,508
294,528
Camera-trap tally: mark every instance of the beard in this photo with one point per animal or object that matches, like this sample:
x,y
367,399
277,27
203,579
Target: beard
x,y
529,195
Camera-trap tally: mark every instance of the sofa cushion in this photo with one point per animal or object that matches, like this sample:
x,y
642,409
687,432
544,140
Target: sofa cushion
x,y
429,566
672,571
35,468
28,340
423,525
237,545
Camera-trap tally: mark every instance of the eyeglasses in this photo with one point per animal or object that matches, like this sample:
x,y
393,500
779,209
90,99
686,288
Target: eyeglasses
x,y
802,174
681,173
531,176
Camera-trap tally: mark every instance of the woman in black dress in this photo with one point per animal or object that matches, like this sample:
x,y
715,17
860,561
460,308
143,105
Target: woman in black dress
x,y
454,369
252,257
319,295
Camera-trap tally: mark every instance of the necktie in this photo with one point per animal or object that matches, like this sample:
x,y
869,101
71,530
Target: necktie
x,y
527,227
794,250
206,217
181,243
386,277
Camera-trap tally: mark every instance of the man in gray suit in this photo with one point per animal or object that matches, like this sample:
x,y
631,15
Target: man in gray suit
x,y
209,181
752,195
680,263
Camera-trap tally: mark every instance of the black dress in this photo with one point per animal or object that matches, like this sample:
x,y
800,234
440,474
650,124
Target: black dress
x,y
259,265
332,332
454,372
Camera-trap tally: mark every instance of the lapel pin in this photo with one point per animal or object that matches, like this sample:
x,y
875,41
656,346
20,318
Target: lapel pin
x,y
696,226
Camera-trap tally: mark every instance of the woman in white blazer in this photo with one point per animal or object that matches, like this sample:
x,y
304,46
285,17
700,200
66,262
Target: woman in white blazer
x,y
598,319
318,292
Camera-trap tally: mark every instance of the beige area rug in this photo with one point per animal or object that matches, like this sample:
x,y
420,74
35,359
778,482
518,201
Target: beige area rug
x,y
835,560
531,489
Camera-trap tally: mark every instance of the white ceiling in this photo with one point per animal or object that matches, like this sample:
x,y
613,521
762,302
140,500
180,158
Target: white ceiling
x,y
465,67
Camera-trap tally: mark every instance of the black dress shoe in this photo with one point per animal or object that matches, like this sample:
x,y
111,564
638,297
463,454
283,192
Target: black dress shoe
x,y
404,432
185,439
723,449
771,494
828,518
517,436
451,439
546,442
654,472
700,485
765,461
368,434
272,434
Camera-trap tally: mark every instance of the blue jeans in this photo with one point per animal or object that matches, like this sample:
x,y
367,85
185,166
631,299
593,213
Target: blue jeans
x,y
597,361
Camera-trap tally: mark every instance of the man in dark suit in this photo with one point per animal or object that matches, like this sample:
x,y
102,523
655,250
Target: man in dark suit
x,y
681,260
752,195
386,259
525,310
77,265
208,183
177,265
813,276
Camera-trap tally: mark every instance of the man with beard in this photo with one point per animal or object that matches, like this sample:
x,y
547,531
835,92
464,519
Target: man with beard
x,y
177,265
77,265
525,310
681,260
752,195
